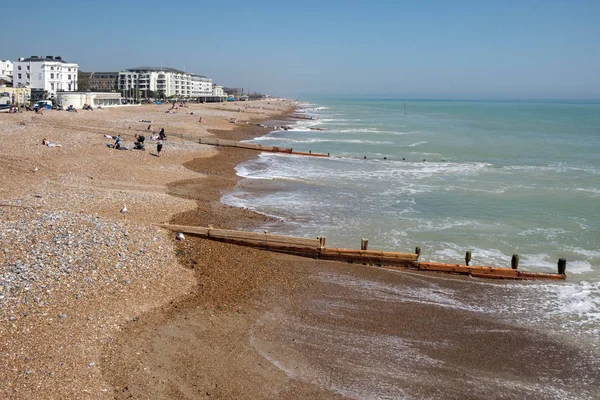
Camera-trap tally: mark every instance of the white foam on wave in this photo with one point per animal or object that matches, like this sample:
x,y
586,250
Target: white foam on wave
x,y
365,130
548,233
575,304
589,190
544,261
589,254
554,168
320,140
416,144
433,294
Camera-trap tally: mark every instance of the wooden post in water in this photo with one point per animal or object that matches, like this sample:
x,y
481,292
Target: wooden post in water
x,y
467,257
322,241
562,266
514,262
364,244
418,251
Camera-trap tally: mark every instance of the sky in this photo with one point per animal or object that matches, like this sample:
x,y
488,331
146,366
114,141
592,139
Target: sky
x,y
487,49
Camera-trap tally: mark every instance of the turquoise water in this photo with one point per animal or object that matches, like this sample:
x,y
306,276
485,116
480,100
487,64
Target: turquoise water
x,y
494,178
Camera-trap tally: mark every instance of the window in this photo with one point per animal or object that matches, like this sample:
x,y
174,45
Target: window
x,y
52,68
51,76
18,76
28,76
52,86
69,77
27,68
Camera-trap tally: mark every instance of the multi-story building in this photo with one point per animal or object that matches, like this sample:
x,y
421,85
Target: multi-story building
x,y
231,91
218,91
50,74
6,70
164,82
201,86
99,81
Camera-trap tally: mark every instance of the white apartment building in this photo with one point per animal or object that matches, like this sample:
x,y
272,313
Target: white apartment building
x,y
201,86
218,91
162,81
50,73
6,70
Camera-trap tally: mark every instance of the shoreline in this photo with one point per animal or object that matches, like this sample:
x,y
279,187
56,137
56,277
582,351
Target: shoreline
x,y
141,315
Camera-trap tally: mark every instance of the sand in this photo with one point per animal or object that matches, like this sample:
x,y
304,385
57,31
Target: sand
x,y
96,303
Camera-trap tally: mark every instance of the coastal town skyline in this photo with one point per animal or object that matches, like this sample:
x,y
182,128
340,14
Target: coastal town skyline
x,y
461,50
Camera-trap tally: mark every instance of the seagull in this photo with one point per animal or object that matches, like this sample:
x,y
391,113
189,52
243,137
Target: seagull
x,y
180,236
124,209
35,169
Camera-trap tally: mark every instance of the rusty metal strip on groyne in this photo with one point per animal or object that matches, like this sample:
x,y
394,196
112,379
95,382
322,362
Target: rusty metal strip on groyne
x,y
316,248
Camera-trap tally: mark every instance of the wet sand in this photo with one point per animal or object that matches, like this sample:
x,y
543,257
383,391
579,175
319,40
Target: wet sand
x,y
265,325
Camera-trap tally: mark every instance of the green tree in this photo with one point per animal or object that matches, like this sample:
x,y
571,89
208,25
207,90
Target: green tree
x,y
83,81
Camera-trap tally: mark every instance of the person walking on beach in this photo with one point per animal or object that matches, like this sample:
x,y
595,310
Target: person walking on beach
x,y
161,134
159,146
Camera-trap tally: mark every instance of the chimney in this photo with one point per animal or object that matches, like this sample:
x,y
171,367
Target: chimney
x,y
50,57
58,57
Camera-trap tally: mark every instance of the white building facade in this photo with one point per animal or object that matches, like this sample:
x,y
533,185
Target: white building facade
x,y
218,91
6,70
50,73
94,99
162,81
201,86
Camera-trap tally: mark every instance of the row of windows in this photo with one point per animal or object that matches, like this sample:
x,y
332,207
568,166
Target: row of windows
x,y
58,76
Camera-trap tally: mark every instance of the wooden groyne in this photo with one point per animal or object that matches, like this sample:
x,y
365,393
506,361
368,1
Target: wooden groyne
x,y
316,248
302,117
253,146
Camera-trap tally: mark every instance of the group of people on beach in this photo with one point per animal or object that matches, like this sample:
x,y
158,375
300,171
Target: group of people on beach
x,y
160,137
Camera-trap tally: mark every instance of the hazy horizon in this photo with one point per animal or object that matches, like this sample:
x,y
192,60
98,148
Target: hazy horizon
x,y
432,50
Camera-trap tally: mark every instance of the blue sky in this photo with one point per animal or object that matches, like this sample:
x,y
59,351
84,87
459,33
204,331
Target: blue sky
x,y
487,49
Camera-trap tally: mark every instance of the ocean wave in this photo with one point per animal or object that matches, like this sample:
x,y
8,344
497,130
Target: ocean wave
x,y
321,140
555,168
434,294
416,144
577,304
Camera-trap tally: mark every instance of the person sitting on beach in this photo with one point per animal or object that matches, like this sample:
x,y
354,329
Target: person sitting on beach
x,y
40,111
45,142
139,144
118,142
201,119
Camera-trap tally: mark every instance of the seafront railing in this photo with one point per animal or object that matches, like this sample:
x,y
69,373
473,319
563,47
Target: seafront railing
x,y
316,248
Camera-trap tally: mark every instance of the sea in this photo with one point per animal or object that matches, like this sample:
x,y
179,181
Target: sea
x,y
495,178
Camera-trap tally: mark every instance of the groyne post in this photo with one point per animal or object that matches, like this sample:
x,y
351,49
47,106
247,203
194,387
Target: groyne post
x,y
322,241
364,244
418,251
467,257
562,266
514,262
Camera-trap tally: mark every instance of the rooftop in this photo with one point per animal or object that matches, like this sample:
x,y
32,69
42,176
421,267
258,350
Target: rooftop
x,y
155,69
43,58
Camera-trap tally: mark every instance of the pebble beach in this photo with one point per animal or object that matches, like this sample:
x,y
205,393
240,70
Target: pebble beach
x,y
74,268
98,302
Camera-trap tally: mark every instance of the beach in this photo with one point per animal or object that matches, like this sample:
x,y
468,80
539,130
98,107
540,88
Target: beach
x,y
99,303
